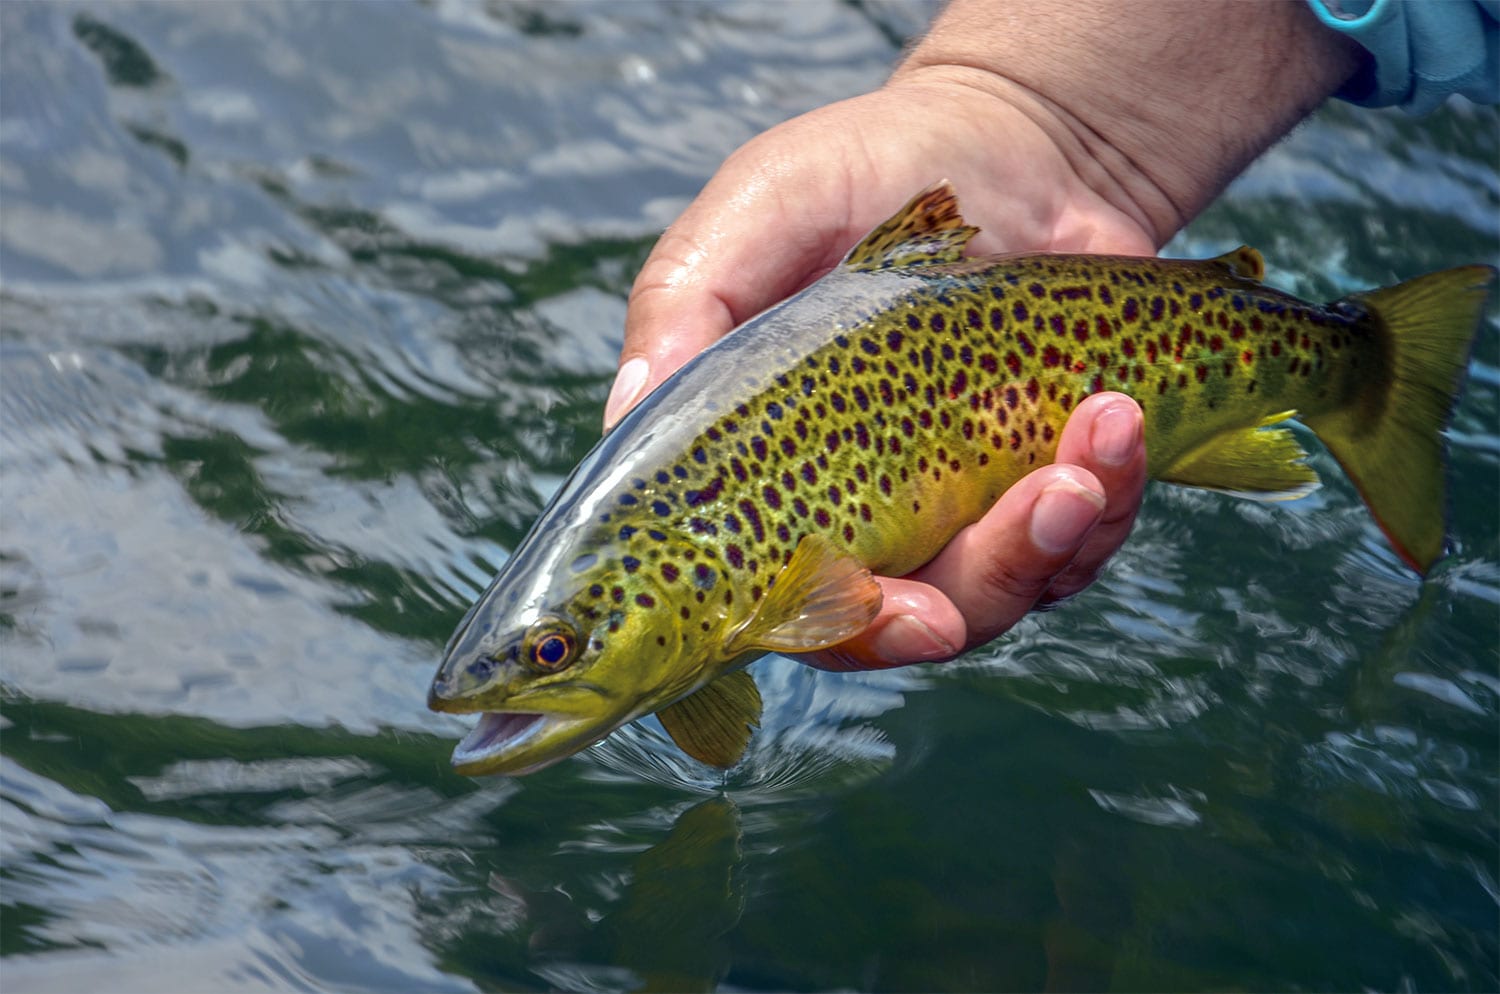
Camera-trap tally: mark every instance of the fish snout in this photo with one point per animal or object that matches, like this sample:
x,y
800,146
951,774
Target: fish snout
x,y
460,680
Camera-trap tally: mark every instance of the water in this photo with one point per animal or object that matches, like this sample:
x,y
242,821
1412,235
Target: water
x,y
305,309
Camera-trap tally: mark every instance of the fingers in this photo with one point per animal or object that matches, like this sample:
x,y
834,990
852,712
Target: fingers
x,y
1106,436
984,580
752,237
1046,538
917,623
995,570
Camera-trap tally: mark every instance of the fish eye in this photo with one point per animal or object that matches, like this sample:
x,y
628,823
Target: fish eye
x,y
550,646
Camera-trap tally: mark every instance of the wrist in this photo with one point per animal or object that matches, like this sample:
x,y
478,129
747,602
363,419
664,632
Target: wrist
x,y
1154,106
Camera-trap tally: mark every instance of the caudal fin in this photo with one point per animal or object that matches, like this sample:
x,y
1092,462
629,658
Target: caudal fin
x,y
1390,439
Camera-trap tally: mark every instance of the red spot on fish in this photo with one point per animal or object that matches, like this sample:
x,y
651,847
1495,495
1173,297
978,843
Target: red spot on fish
x,y
1216,344
1247,357
1015,441
1050,356
1046,433
1236,331
1103,326
1012,398
989,363
1032,389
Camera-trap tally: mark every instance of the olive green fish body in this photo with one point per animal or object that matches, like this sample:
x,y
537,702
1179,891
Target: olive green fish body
x,y
859,425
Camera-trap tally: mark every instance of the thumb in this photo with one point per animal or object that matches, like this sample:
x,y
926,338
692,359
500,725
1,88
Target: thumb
x,y
741,246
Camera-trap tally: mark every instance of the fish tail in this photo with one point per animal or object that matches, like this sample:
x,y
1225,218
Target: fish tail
x,y
1388,437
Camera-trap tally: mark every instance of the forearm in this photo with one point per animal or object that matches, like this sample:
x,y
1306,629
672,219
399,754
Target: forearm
x,y
1156,104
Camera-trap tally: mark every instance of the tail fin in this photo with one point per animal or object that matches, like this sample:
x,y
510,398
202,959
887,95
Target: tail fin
x,y
1390,439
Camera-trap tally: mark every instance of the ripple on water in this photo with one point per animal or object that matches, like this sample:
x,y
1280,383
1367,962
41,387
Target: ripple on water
x,y
137,897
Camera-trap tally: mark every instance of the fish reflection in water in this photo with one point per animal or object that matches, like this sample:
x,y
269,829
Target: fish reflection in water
x,y
687,894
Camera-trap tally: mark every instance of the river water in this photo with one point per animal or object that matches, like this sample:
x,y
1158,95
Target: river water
x,y
305,309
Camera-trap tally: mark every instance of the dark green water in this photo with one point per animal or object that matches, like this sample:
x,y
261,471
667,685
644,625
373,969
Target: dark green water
x,y
305,309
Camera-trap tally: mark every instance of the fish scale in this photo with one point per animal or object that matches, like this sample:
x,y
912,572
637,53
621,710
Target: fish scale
x,y
856,427
969,380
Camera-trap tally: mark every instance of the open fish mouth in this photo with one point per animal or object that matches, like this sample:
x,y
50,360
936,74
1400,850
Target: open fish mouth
x,y
497,733
517,742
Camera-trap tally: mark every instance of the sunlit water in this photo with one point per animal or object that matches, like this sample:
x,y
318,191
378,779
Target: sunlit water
x,y
304,311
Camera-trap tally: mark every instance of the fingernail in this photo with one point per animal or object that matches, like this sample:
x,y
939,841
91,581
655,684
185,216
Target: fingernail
x,y
628,383
1063,515
907,639
1115,435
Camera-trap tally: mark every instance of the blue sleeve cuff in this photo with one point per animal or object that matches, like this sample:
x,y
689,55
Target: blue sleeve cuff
x,y
1422,51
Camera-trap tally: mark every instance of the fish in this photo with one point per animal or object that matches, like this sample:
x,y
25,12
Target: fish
x,y
746,505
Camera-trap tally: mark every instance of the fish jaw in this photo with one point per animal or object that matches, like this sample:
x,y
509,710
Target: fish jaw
x,y
514,743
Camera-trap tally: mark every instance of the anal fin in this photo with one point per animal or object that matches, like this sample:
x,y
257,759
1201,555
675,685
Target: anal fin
x,y
1261,462
714,723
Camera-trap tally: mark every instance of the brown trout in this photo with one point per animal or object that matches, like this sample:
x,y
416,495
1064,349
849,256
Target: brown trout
x,y
857,426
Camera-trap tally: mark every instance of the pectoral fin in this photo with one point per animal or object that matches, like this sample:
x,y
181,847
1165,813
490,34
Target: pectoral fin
x,y
714,724
1261,462
822,597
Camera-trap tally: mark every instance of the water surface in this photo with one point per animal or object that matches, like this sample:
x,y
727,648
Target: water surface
x,y
304,312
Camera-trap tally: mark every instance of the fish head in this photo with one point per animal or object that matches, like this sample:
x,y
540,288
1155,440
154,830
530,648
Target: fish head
x,y
553,670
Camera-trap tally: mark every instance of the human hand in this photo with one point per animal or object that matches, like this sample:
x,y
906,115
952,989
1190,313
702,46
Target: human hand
x,y
763,228
1063,126
785,209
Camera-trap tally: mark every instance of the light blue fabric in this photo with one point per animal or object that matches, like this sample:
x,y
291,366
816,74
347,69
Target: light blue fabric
x,y
1422,51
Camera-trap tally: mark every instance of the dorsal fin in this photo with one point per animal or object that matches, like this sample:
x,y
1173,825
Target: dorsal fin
x,y
1244,262
926,232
